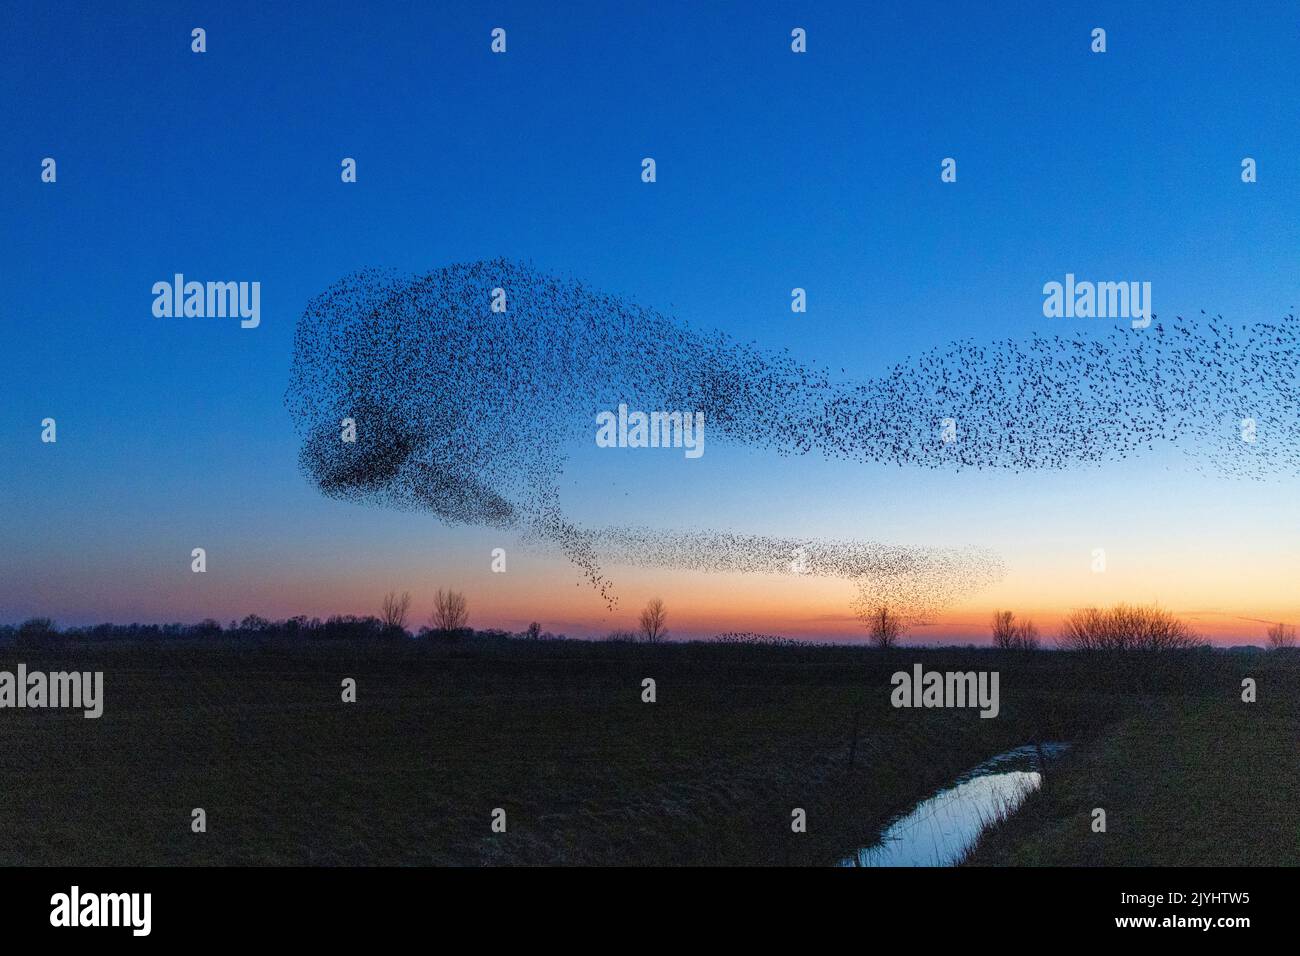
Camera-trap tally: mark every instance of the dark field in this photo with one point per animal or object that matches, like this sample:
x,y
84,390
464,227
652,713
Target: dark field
x,y
556,734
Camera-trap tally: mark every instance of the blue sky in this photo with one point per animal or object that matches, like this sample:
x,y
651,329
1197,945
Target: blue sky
x,y
775,170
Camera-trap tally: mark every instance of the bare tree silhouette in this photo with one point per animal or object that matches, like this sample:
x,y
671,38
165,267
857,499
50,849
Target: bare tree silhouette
x,y
654,621
1281,636
884,626
1026,637
394,609
450,611
1004,629
1012,636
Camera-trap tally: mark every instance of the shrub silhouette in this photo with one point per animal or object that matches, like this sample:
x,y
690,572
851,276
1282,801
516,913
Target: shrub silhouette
x,y
36,632
1126,627
1281,637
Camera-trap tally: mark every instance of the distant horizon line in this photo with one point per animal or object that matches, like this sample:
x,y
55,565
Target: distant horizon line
x,y
1049,642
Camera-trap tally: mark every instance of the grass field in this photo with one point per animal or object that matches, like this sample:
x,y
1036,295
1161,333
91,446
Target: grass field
x,y
556,734
1204,782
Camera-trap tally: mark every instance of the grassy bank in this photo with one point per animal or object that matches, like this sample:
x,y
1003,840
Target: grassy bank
x,y
1204,781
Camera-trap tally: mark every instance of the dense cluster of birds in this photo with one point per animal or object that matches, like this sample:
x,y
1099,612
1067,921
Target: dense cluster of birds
x,y
752,639
916,582
466,411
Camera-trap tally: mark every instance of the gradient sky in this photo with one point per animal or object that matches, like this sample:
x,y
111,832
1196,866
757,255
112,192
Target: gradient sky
x,y
774,171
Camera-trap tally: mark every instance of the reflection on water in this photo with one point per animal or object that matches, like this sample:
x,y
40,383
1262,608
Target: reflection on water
x,y
941,828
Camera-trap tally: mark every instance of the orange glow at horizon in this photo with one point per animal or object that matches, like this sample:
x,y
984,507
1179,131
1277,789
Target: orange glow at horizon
x,y
1220,607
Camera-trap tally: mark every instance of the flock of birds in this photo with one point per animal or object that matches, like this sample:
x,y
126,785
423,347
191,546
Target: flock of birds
x,y
467,412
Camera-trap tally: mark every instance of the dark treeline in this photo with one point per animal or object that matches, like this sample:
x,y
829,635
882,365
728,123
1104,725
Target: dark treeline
x,y
350,628
339,627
